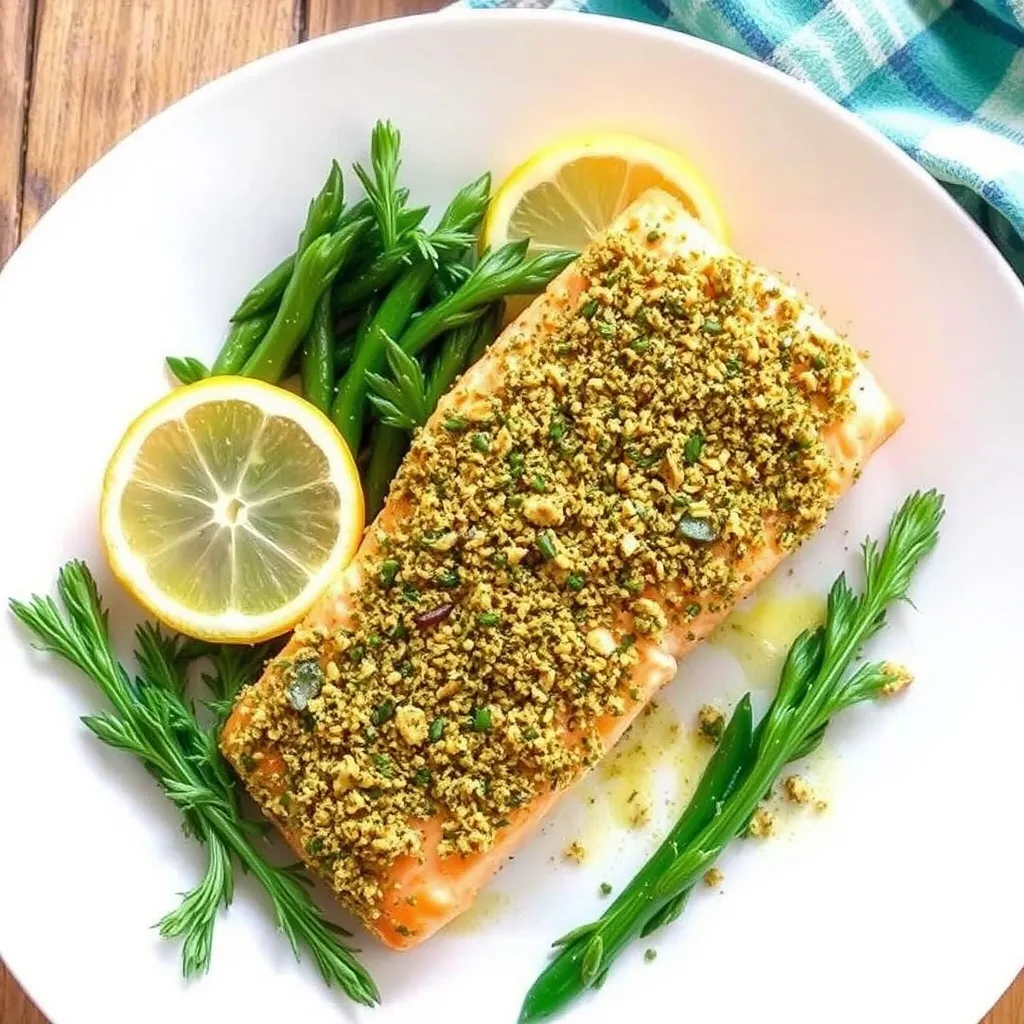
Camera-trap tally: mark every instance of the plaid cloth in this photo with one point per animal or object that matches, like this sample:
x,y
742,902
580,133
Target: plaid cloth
x,y
943,79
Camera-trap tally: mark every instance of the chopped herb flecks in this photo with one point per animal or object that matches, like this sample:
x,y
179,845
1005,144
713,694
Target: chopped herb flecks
x,y
641,435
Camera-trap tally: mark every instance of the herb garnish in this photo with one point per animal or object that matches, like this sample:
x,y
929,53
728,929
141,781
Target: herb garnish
x,y
815,685
153,719
693,447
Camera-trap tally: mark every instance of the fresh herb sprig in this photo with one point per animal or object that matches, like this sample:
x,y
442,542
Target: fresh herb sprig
x,y
814,686
457,228
231,666
153,719
381,186
500,272
402,405
402,401
455,232
408,398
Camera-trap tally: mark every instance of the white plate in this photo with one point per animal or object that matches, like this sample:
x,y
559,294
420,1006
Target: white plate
x,y
904,903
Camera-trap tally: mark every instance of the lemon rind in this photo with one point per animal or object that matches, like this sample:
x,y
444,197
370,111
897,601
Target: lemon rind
x,y
546,162
130,569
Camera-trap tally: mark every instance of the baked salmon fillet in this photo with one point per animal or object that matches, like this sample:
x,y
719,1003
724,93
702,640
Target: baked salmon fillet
x,y
634,454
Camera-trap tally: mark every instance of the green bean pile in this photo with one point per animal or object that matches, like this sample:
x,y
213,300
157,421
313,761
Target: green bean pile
x,y
377,316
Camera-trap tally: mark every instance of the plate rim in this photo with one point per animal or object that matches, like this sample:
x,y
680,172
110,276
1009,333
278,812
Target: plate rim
x,y
988,985
459,17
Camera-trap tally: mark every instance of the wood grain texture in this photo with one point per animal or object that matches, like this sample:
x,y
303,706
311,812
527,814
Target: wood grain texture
x,y
16,20
1009,1009
101,67
330,15
15,1007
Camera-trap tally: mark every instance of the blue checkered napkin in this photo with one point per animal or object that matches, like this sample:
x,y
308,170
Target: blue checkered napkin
x,y
944,79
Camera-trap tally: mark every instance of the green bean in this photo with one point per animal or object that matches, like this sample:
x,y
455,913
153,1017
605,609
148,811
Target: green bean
x,y
376,273
241,342
381,185
455,231
388,448
447,279
313,273
367,315
816,683
266,291
318,357
450,360
390,320
264,295
437,292
409,219
502,272
389,442
491,324
564,977
343,350
346,335
293,369
325,210
350,214
466,208
456,353
370,257
346,323
374,277
353,214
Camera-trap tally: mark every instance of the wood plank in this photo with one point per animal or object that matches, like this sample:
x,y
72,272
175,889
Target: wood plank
x,y
1009,1009
103,66
330,15
15,1007
16,19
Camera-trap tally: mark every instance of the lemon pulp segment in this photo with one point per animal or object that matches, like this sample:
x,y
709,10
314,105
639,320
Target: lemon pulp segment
x,y
568,193
222,515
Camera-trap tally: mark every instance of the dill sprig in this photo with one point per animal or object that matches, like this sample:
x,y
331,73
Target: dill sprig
x,y
153,719
400,401
815,684
381,186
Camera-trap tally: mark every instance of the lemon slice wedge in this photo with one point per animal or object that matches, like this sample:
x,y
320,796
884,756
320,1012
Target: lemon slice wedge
x,y
565,195
228,507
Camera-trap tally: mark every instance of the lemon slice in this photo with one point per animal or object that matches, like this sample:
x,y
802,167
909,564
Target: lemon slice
x,y
566,194
228,508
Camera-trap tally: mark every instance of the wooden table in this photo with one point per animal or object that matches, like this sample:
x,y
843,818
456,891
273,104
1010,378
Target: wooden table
x,y
78,75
